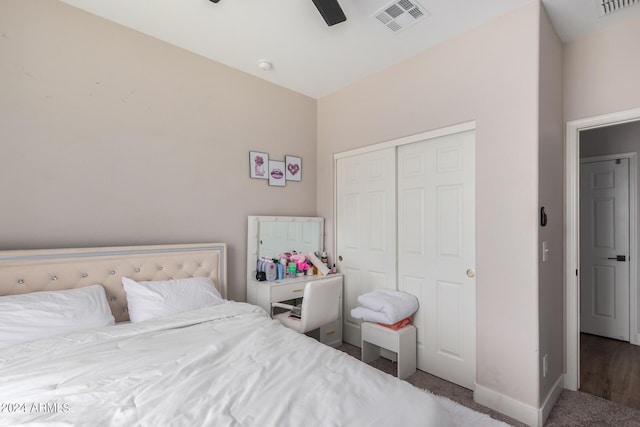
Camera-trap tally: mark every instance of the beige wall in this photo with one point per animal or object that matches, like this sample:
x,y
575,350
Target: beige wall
x,y
109,137
489,75
601,72
551,196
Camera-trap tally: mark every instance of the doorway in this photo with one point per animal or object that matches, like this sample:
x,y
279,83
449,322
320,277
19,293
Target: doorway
x,y
605,208
575,131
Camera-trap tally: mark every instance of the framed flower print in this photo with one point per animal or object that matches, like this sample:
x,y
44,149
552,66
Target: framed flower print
x,y
258,165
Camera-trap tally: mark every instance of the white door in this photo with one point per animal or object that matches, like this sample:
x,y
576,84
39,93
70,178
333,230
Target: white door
x,y
436,251
365,225
604,248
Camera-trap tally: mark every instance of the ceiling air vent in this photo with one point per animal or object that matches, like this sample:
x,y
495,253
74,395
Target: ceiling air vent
x,y
402,14
607,7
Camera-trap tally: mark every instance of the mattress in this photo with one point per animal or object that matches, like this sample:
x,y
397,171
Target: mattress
x,y
227,365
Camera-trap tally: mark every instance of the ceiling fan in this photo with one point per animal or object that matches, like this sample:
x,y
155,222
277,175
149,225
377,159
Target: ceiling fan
x,y
329,9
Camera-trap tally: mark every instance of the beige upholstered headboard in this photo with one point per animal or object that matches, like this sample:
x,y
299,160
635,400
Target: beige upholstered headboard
x,y
56,269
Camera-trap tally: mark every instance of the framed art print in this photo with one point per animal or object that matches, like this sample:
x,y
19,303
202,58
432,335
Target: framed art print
x,y
276,173
293,168
258,165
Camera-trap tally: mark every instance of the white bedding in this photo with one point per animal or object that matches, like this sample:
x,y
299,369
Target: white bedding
x,y
228,365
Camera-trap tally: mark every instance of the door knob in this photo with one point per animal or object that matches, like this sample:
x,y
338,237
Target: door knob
x,y
619,258
340,258
471,272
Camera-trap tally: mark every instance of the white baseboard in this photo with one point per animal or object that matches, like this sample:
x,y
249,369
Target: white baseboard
x,y
513,408
530,415
550,401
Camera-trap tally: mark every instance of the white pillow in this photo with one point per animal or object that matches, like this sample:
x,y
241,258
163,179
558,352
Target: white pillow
x,y
37,315
158,299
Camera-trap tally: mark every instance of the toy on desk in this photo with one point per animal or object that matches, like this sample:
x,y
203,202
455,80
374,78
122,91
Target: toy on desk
x,y
292,264
300,261
288,265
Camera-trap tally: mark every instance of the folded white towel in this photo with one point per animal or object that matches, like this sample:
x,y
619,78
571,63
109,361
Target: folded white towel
x,y
386,306
370,315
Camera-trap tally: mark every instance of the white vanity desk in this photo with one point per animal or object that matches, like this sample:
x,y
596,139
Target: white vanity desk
x,y
267,234
264,293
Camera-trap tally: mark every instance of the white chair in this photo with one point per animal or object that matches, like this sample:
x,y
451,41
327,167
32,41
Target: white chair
x,y
320,306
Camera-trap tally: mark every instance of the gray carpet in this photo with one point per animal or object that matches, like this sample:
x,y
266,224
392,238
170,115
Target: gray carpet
x,y
573,408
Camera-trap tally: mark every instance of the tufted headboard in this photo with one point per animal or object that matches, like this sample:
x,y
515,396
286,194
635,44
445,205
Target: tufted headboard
x,y
56,269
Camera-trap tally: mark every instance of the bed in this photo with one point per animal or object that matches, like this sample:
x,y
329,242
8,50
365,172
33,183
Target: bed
x,y
226,364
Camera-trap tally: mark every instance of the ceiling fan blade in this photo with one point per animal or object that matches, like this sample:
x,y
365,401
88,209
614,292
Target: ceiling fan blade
x,y
330,11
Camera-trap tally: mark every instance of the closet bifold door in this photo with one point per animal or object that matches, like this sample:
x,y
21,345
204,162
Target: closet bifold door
x,y
365,229
436,251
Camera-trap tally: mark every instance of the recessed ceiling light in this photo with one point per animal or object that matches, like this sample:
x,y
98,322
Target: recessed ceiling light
x,y
265,65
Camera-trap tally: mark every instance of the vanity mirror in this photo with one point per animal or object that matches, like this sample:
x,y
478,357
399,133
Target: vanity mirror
x,y
269,236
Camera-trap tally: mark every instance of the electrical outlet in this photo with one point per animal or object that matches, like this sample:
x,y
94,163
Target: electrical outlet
x,y
544,365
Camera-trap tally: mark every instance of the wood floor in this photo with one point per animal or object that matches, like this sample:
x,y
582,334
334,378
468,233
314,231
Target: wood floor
x,y
610,369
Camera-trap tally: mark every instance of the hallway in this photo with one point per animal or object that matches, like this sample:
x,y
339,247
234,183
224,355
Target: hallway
x,y
610,369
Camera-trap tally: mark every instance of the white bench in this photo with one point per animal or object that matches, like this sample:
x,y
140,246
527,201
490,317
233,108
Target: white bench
x,y
402,342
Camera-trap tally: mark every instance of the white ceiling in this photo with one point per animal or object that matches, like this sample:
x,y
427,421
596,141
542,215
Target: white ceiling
x,y
307,55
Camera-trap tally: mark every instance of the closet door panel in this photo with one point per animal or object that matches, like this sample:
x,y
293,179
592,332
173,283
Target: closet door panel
x,y
436,247
415,285
365,225
449,205
411,220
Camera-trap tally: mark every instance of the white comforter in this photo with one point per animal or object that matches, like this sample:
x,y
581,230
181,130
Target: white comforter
x,y
228,365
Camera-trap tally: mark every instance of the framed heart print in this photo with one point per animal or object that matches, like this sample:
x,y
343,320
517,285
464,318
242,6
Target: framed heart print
x,y
293,168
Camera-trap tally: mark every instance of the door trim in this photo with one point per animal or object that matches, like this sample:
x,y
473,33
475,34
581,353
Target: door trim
x,y
572,243
462,127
